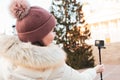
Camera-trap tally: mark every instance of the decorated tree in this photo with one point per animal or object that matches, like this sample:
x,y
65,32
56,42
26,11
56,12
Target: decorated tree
x,y
72,31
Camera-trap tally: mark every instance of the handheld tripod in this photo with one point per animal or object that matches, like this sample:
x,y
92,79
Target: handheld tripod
x,y
100,44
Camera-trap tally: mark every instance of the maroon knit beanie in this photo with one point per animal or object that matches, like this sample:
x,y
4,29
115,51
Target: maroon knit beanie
x,y
33,23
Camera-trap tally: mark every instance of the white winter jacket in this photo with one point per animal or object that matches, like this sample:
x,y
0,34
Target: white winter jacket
x,y
24,61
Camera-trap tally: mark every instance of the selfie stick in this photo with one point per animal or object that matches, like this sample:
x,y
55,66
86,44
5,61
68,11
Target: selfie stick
x,y
100,44
99,48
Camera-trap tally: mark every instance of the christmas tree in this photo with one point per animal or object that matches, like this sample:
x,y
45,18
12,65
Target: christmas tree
x,y
69,14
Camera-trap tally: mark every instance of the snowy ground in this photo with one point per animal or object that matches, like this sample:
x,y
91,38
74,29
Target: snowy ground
x,y
111,60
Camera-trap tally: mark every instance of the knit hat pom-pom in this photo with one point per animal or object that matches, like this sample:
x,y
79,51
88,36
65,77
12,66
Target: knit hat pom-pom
x,y
19,8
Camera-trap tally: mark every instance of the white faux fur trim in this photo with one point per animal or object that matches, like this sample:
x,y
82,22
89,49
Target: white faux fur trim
x,y
28,55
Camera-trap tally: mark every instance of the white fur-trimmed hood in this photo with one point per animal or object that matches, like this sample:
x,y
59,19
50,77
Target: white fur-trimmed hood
x,y
31,56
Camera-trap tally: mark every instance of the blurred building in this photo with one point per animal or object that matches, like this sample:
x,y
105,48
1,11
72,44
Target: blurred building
x,y
104,19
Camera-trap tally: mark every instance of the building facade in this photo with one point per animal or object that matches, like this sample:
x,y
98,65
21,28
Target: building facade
x,y
103,16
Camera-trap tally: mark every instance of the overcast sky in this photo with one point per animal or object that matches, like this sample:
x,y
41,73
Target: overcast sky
x,y
6,20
